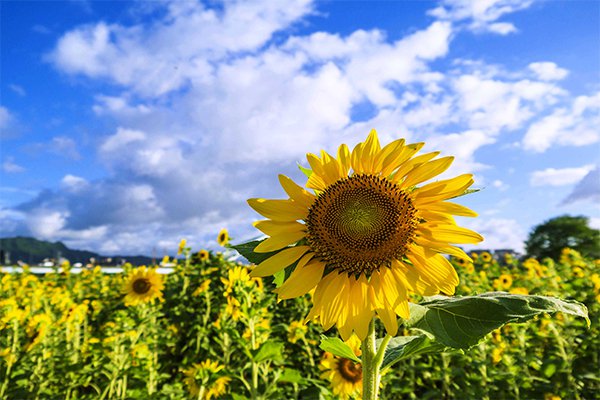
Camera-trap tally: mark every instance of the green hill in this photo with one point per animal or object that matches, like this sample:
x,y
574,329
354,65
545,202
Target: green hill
x,y
33,251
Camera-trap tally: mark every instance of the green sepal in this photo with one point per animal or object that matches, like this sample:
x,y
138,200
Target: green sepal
x,y
461,322
337,347
305,171
466,192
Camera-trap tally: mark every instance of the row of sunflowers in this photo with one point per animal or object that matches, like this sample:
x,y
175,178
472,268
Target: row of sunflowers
x,y
210,330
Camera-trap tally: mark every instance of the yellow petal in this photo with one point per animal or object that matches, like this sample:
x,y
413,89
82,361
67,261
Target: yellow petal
x,y
279,210
443,189
305,277
426,171
442,248
333,300
296,192
278,242
409,165
343,156
361,312
369,152
436,269
279,261
274,228
451,208
412,279
396,160
451,234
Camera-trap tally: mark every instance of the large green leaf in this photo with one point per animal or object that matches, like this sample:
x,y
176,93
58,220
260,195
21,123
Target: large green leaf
x,y
247,250
461,322
338,348
402,347
270,350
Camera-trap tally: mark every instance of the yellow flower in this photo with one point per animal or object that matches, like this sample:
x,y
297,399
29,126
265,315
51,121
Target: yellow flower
x,y
204,376
203,255
367,237
223,237
143,285
503,282
486,257
551,396
202,288
519,290
497,353
345,375
181,246
578,272
296,331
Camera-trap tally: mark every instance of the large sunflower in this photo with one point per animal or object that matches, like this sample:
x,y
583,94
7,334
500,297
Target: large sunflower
x,y
366,236
142,285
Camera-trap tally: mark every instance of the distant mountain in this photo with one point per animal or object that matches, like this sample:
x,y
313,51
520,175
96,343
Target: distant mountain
x,y
33,251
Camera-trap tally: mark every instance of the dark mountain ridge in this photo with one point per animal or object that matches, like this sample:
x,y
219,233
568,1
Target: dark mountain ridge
x,y
33,251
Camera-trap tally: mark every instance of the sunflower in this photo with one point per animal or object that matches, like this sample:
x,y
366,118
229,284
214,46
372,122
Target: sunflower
x,y
367,235
503,282
345,375
223,237
203,255
204,377
143,285
486,257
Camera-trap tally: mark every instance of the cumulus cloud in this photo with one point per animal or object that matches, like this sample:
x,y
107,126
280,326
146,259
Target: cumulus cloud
x,y
588,189
559,176
573,125
548,71
499,233
481,15
203,119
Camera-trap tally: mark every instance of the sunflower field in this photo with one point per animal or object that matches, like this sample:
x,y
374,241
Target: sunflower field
x,y
210,330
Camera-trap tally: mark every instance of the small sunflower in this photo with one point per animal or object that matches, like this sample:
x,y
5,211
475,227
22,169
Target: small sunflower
x,y
367,235
503,282
181,246
486,257
345,375
223,237
203,255
204,377
143,285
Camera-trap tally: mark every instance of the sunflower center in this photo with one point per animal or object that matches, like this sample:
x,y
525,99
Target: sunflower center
x,y
141,286
361,223
350,371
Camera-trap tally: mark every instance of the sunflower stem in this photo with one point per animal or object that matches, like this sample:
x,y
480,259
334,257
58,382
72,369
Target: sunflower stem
x,y
371,363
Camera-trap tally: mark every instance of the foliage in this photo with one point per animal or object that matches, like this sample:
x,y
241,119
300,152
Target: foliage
x,y
67,335
549,238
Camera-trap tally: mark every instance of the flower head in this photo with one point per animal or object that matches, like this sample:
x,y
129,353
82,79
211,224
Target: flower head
x,y
367,234
205,375
223,237
143,285
345,375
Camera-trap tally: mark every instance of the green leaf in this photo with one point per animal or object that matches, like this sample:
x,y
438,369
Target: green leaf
x,y
247,250
338,348
291,376
305,171
270,350
461,322
402,347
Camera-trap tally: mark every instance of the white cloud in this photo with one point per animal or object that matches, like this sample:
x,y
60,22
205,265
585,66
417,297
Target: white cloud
x,y
576,125
548,71
594,223
499,233
559,177
500,185
73,183
17,89
9,166
5,117
481,15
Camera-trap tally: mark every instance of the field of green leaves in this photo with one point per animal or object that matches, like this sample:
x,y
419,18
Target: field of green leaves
x,y
209,330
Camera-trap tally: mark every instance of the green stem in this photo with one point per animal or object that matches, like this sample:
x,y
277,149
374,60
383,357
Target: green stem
x,y
371,363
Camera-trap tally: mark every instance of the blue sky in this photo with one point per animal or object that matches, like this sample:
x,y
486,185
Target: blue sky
x,y
127,126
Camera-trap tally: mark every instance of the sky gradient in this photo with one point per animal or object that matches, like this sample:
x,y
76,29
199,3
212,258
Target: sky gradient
x,y
127,126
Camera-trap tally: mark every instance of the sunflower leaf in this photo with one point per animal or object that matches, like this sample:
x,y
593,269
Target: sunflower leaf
x,y
338,348
247,251
402,347
270,350
461,322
